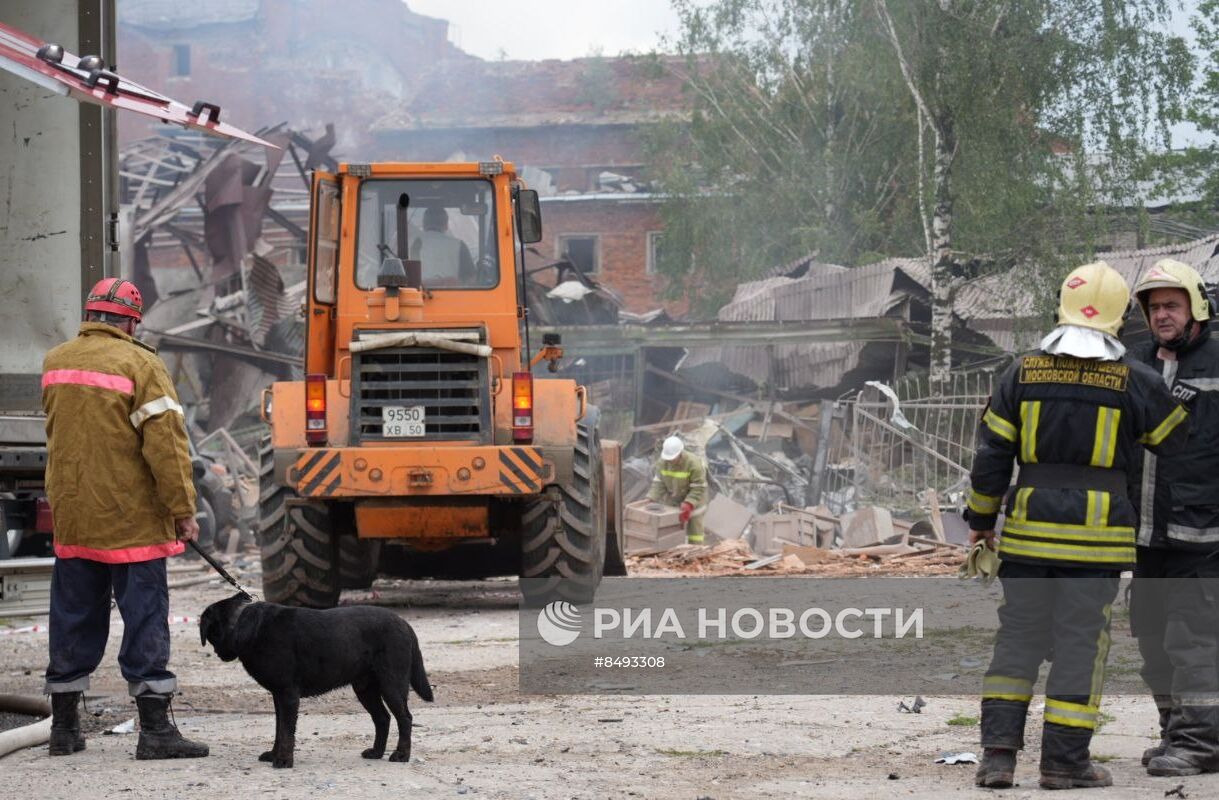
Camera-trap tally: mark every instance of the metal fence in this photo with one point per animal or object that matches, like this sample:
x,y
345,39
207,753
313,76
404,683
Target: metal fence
x,y
877,456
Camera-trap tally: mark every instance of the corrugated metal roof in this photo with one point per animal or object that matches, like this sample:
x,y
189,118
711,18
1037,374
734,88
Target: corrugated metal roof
x,y
857,292
999,307
1201,254
754,301
828,291
1001,296
802,267
1008,296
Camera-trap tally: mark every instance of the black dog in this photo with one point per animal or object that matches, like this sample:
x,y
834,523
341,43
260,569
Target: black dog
x,y
301,652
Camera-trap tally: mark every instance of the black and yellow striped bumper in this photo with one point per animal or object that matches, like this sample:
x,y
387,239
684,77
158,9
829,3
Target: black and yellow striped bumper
x,y
338,472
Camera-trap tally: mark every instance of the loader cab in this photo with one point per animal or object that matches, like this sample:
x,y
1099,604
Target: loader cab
x,y
450,229
401,245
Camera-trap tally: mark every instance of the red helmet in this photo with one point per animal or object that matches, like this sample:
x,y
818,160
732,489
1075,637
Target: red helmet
x,y
116,296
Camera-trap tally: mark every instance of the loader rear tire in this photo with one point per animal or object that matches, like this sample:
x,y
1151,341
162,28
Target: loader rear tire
x,y
563,531
299,553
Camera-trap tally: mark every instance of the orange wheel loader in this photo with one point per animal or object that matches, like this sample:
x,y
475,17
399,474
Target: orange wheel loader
x,y
420,442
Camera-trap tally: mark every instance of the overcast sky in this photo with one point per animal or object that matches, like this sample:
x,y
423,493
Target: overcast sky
x,y
536,29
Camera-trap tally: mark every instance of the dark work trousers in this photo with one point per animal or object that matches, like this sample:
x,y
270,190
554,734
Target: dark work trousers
x,y
80,624
1175,616
1058,612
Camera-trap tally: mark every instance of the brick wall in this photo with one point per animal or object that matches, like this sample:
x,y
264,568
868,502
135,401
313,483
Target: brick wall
x,y
571,152
622,227
304,63
397,90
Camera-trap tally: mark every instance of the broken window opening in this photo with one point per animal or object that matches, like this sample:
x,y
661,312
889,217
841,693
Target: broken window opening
x,y
583,251
655,242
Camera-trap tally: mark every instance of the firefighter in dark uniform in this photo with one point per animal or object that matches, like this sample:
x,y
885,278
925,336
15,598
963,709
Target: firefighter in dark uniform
x,y
1072,416
1175,602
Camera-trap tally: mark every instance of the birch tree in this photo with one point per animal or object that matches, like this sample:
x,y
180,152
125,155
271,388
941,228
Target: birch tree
x,y
797,146
975,133
1092,78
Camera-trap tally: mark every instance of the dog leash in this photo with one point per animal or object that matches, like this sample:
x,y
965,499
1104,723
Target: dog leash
x,y
222,571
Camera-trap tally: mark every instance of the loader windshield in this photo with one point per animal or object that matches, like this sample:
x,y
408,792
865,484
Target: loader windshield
x,y
450,230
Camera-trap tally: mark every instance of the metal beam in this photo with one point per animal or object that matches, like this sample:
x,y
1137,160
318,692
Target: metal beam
x,y
260,358
604,340
98,153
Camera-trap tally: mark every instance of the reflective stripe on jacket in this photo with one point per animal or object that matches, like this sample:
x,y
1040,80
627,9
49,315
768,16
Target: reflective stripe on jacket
x,y
1059,410
118,463
1178,497
684,479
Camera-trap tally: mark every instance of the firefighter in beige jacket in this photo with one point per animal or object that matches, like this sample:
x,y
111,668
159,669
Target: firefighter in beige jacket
x,y
119,483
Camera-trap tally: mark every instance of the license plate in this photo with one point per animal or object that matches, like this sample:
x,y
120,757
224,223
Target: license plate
x,y
399,422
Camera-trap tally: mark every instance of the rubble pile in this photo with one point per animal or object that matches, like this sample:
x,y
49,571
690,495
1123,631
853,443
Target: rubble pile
x,y
767,514
737,559
215,237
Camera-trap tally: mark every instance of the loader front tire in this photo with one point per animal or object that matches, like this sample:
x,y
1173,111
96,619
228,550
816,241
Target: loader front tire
x,y
299,553
563,531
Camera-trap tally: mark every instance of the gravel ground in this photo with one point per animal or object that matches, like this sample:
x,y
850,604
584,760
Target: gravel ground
x,y
482,737
9,720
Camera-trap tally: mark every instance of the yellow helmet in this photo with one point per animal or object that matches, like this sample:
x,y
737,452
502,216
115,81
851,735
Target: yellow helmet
x,y
1172,274
1094,296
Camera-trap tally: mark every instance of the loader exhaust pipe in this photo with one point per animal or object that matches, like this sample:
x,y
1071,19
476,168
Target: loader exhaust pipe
x,y
414,273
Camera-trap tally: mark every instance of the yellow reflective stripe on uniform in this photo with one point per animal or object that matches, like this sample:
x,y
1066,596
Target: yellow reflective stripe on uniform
x,y
983,503
1103,534
1104,446
999,426
1030,414
1103,641
1021,506
1098,510
1066,552
1073,715
1164,428
668,473
1000,687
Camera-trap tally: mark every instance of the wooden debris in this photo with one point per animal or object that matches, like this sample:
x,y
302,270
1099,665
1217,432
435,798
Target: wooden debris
x,y
764,562
937,522
812,555
867,526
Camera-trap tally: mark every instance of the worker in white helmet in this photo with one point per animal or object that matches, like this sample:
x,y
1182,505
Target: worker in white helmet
x,y
681,480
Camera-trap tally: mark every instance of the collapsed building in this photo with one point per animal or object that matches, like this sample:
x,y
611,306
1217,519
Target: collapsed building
x,y
793,372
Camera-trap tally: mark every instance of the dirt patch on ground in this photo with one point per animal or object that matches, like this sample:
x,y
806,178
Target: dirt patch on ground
x,y
484,738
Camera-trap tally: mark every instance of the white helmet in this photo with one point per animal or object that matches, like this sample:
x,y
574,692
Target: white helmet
x,y
672,448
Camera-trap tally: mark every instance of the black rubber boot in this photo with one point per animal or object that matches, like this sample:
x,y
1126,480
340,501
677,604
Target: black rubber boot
x,y
1165,706
1066,762
1090,776
66,737
1003,724
1169,765
1193,743
159,738
998,768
